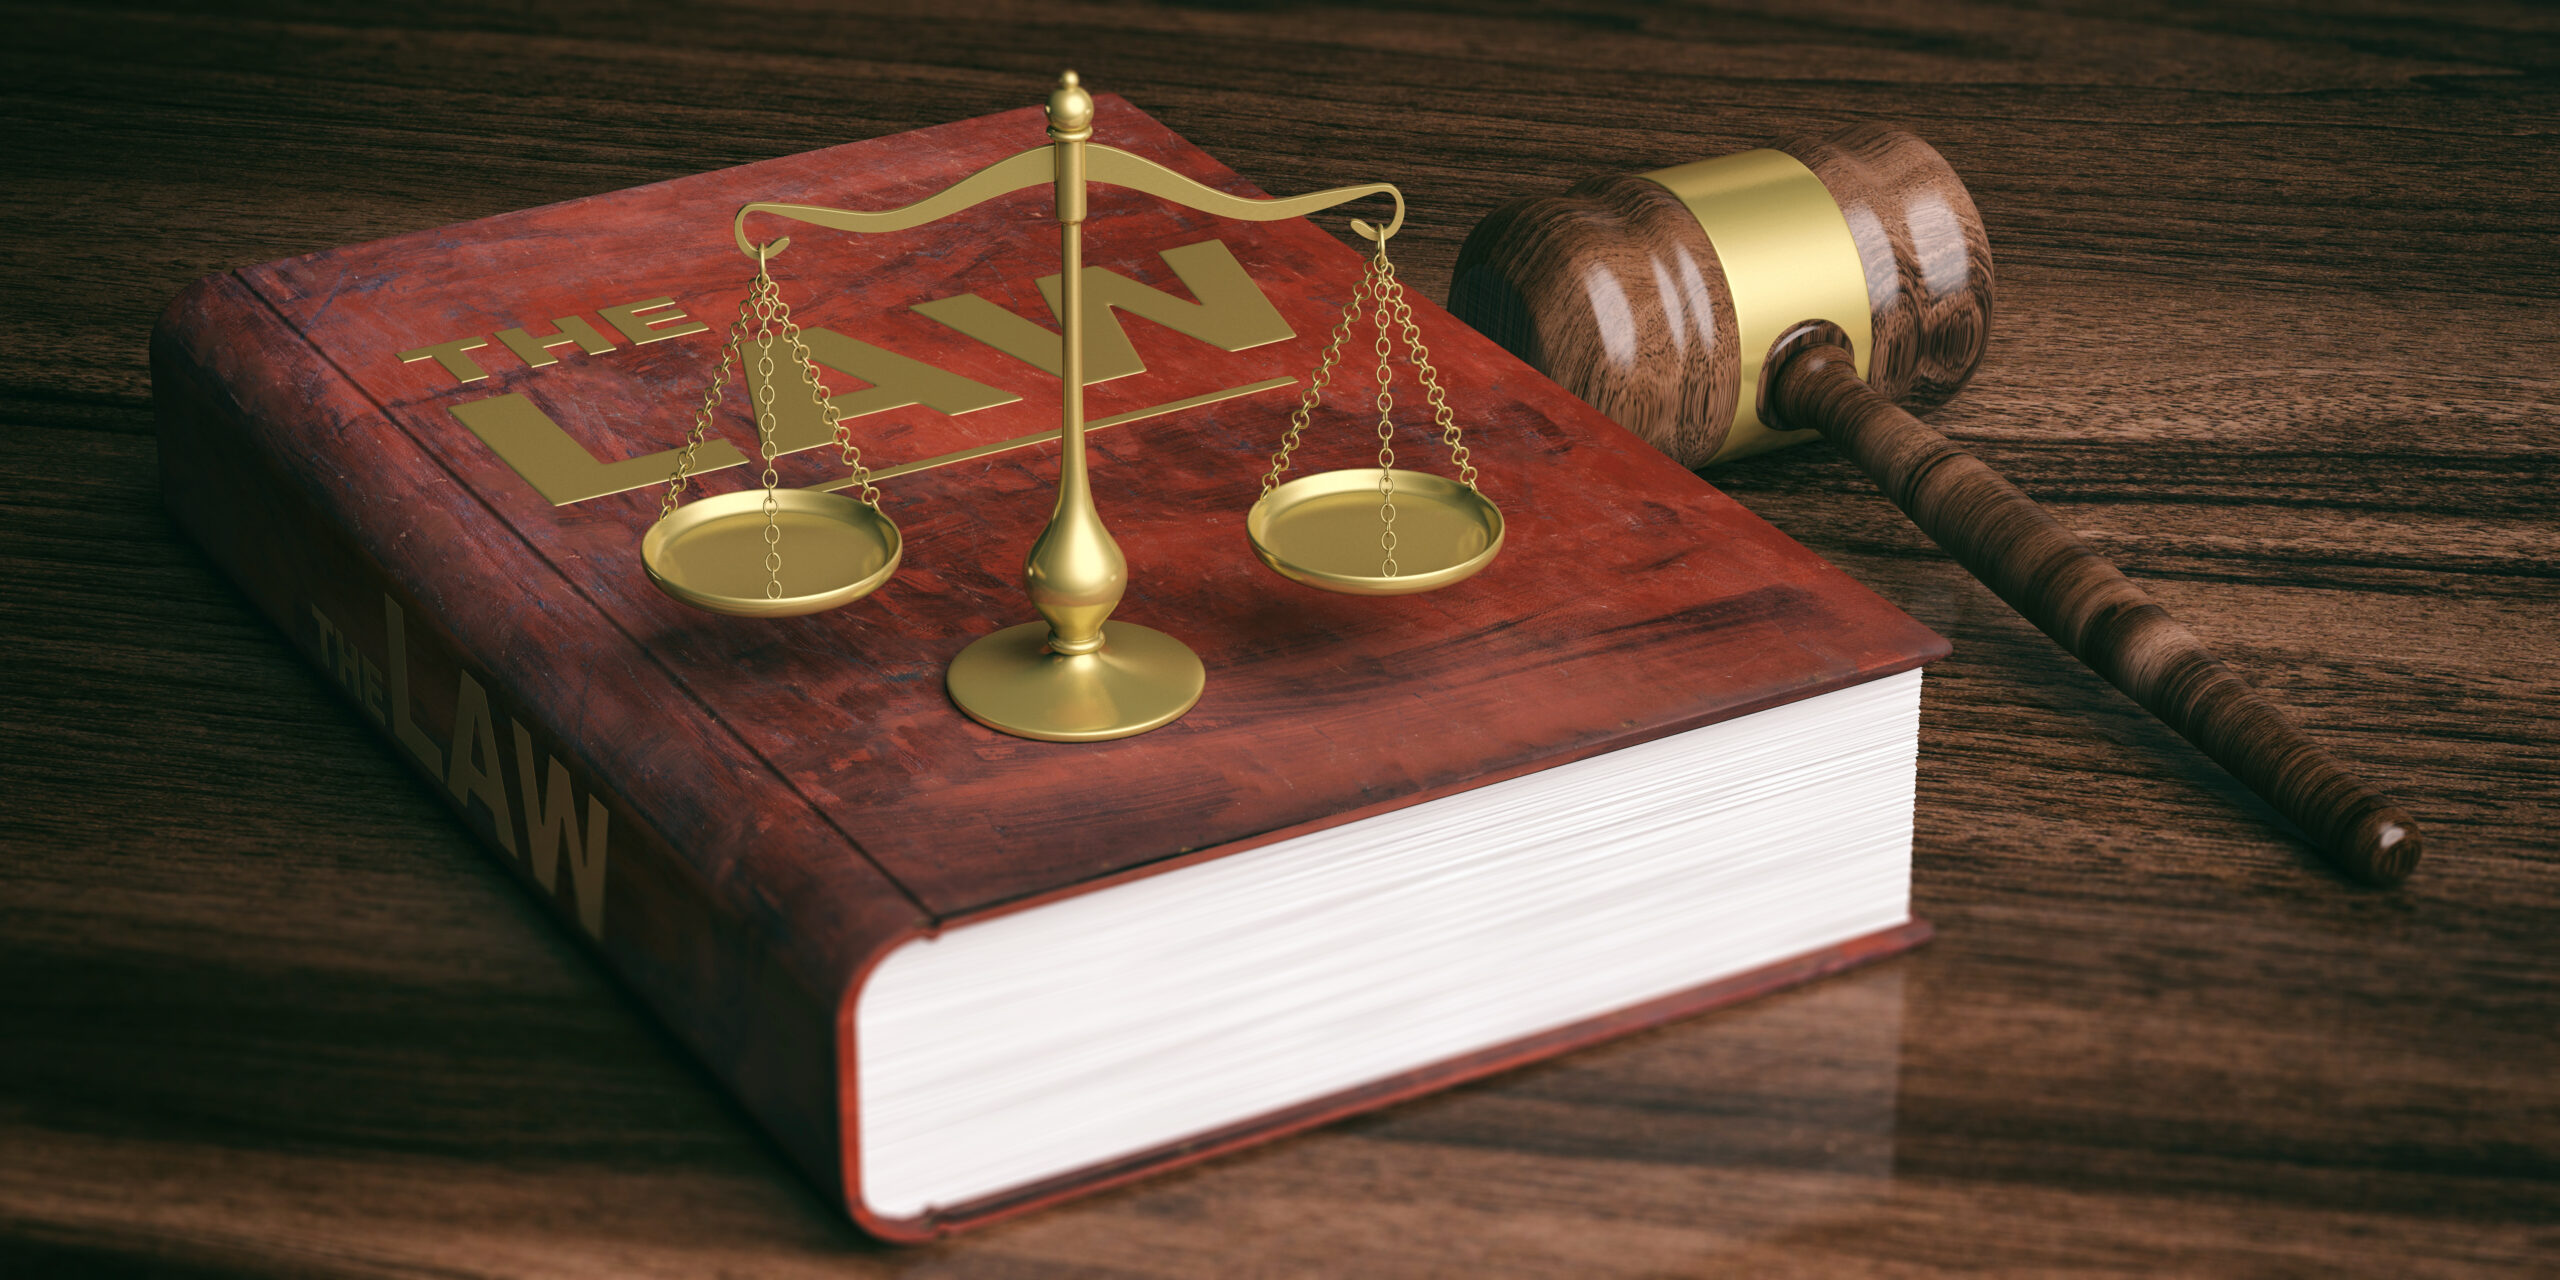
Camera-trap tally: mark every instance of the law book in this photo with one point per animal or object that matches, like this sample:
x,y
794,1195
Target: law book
x,y
1655,759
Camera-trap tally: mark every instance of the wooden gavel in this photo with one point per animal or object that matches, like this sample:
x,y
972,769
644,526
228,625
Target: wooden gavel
x,y
1819,286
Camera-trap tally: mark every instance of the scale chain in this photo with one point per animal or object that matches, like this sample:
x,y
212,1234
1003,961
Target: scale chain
x,y
710,405
1441,415
764,304
1379,288
843,434
1382,292
1315,385
768,303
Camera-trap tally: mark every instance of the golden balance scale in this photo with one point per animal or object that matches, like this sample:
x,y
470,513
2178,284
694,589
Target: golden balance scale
x,y
1073,676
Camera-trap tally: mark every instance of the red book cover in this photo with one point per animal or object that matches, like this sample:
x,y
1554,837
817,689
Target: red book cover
x,y
743,816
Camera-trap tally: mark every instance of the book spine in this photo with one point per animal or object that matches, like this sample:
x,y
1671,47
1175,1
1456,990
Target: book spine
x,y
335,527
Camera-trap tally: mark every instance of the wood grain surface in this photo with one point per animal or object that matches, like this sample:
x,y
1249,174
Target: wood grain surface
x,y
2052,578
2275,336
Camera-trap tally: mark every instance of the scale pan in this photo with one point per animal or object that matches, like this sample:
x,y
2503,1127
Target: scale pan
x,y
1323,530
710,553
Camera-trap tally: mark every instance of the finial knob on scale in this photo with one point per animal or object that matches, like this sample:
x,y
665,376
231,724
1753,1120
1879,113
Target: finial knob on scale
x,y
1070,109
1824,286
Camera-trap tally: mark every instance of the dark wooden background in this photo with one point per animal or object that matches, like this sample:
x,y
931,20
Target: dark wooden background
x,y
2276,330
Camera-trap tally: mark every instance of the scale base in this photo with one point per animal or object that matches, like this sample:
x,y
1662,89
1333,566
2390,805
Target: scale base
x,y
1140,679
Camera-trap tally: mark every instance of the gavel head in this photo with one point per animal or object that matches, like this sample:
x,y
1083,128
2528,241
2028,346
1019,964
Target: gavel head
x,y
1668,300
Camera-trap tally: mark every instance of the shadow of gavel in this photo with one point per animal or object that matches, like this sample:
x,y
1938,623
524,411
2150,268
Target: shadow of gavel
x,y
1830,287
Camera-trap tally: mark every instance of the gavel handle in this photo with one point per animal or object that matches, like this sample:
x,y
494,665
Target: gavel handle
x,y
2055,581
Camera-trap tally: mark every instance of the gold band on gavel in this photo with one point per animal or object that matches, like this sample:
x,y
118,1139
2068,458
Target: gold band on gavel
x,y
1788,259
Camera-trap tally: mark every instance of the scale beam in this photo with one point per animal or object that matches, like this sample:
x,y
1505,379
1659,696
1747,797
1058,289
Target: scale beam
x,y
1035,167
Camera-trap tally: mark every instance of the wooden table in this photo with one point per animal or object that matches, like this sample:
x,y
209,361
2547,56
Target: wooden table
x,y
2275,331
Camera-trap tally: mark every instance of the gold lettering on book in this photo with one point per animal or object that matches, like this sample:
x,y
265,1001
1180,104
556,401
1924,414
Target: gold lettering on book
x,y
637,324
546,793
551,819
896,382
475,773
370,695
1231,312
1227,309
643,322
355,672
452,355
560,468
573,331
402,727
350,670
